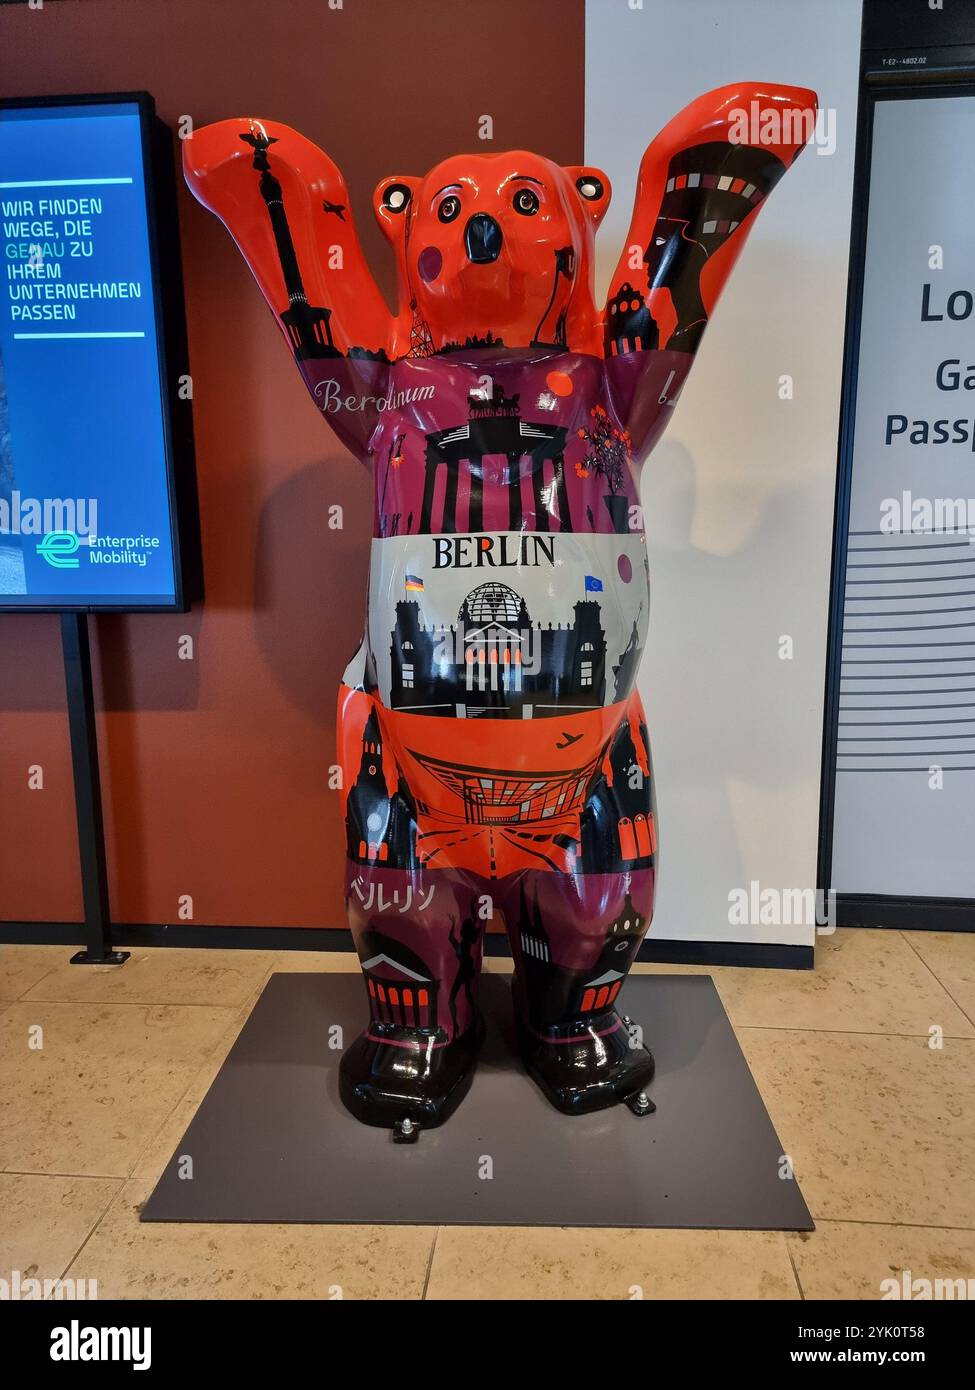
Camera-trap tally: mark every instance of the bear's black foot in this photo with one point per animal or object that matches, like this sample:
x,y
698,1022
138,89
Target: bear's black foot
x,y
590,1065
407,1079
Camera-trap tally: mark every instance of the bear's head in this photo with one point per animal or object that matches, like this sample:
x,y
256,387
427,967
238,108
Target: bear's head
x,y
496,247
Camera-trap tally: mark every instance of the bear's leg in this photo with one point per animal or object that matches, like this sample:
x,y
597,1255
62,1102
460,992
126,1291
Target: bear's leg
x,y
575,936
573,939
418,935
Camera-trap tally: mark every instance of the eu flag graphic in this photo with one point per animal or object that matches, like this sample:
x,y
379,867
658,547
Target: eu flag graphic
x,y
593,585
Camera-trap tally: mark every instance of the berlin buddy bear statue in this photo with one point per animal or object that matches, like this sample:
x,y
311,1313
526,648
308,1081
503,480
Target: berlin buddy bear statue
x,y
494,749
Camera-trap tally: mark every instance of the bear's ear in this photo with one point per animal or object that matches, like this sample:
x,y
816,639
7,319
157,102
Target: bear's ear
x,y
391,203
593,188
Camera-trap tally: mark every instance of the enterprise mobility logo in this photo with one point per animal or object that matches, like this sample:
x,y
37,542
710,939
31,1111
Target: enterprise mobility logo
x,y
63,525
60,549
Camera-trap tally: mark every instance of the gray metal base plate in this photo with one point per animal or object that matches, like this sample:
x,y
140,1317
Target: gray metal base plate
x,y
272,1141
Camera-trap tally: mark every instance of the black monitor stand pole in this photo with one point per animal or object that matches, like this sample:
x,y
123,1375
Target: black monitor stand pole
x,y
87,794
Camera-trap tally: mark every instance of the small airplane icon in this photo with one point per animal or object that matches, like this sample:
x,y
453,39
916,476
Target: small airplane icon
x,y
568,740
337,208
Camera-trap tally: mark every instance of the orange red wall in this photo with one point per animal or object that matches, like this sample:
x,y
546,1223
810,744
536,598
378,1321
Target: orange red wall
x,y
215,770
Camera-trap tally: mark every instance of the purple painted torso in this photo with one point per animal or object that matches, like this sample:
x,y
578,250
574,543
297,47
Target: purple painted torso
x,y
506,508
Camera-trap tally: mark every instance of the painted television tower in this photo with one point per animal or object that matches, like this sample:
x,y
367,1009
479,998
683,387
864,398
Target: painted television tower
x,y
308,326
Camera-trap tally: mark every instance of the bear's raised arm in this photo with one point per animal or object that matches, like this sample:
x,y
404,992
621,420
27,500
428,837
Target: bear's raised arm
x,y
701,182
284,201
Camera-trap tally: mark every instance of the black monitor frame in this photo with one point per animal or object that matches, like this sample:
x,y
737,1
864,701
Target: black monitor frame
x,y
171,352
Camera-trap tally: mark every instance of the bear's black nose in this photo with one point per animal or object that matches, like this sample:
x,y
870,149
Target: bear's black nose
x,y
482,239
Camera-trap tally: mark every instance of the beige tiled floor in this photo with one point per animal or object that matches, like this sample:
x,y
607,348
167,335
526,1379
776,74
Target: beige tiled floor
x,y
866,1065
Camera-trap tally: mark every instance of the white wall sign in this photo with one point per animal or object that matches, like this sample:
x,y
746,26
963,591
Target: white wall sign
x,y
904,799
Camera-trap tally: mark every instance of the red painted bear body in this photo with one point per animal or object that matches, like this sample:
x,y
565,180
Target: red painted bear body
x,y
495,752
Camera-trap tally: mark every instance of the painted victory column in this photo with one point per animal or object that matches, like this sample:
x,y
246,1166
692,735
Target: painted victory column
x,y
495,751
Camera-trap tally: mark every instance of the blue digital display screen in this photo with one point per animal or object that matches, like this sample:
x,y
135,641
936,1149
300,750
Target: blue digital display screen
x,y
85,483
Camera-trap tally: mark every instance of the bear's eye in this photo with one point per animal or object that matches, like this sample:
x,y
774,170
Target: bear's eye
x,y
397,197
526,202
590,187
449,208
